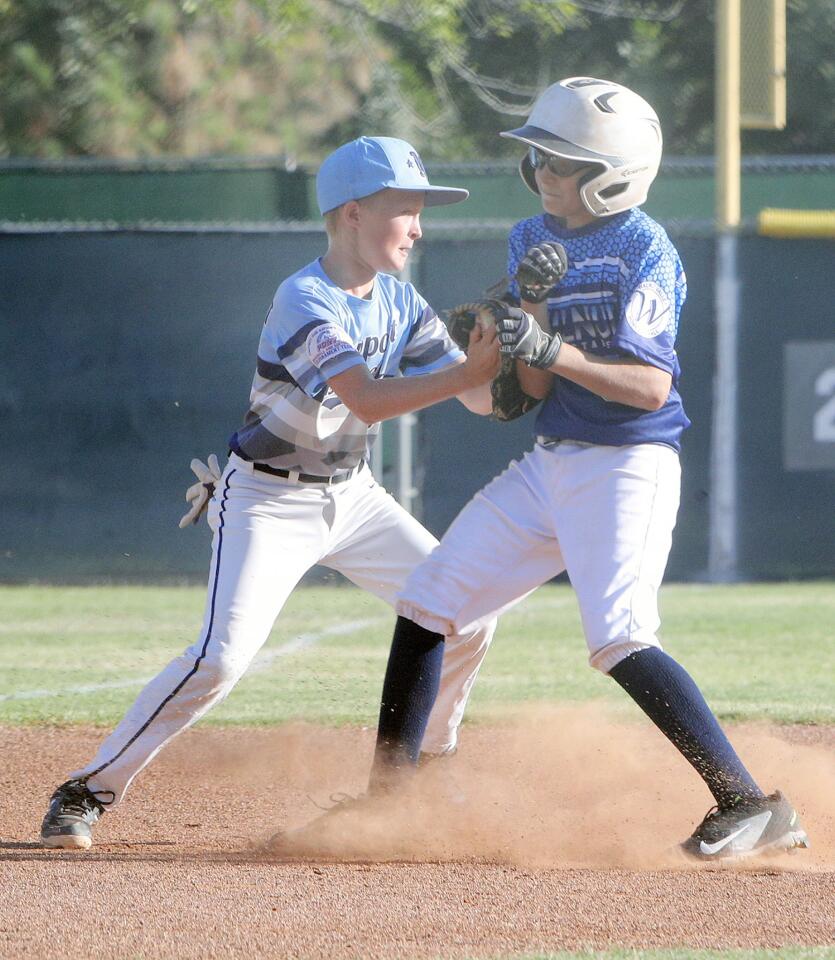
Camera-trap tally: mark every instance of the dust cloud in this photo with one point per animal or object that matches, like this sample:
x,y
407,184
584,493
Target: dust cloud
x,y
568,786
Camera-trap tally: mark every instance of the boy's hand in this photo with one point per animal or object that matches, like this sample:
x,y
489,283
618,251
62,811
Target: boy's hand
x,y
540,270
473,327
520,336
483,358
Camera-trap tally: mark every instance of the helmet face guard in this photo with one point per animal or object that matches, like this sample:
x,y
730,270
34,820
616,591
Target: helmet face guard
x,y
603,124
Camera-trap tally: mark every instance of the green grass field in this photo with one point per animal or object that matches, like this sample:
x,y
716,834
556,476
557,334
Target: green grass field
x,y
80,654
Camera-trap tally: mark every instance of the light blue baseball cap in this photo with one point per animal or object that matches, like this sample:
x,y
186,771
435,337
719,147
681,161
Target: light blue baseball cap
x,y
368,164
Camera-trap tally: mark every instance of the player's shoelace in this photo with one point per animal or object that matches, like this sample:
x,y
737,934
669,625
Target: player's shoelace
x,y
77,799
719,819
337,800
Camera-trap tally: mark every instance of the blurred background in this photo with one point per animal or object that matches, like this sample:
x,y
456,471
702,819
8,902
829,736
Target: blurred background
x,y
157,162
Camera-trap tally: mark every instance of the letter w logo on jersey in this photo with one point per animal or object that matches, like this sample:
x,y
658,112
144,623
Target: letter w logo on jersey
x,y
648,311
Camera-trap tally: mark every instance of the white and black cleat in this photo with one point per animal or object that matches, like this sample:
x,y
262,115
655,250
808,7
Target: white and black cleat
x,y
751,827
73,809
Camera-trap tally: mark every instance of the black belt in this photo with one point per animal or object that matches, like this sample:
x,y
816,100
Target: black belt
x,y
305,477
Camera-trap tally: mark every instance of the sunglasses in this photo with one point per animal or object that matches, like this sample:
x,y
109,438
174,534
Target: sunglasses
x,y
559,166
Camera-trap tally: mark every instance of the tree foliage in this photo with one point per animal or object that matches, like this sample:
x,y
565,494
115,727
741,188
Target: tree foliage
x,y
504,52
294,77
142,77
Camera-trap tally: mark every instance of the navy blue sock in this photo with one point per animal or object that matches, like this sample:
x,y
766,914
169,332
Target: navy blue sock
x,y
410,687
667,694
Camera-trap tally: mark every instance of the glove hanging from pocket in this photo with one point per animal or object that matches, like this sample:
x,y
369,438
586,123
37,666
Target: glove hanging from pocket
x,y
199,494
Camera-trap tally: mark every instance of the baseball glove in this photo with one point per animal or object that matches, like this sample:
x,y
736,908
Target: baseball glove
x,y
509,399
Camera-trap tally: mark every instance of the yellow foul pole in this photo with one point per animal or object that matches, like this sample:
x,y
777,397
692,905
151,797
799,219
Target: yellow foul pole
x,y
727,114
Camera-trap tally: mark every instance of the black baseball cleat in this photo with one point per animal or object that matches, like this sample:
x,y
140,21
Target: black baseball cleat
x,y
747,829
73,809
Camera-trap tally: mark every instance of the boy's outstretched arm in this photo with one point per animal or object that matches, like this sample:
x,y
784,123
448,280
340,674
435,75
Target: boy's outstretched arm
x,y
478,399
374,400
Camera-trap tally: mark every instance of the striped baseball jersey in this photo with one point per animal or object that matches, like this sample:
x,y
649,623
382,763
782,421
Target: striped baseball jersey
x,y
314,331
621,297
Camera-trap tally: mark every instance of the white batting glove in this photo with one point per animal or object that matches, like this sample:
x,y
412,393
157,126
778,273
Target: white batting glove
x,y
199,494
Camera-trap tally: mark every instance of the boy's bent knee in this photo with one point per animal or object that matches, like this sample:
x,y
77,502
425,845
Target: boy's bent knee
x,y
221,667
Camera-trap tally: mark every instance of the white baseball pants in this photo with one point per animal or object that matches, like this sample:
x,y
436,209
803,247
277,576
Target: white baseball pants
x,y
604,514
268,532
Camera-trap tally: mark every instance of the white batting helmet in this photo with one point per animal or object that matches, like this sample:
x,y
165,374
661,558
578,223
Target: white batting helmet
x,y
583,118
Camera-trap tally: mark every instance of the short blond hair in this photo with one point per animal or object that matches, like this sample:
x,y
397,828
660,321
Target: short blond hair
x,y
332,216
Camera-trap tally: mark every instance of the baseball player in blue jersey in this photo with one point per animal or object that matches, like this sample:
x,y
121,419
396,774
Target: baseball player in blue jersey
x,y
344,346
601,288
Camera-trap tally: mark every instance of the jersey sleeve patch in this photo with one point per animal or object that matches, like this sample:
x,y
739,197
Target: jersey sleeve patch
x,y
649,311
326,342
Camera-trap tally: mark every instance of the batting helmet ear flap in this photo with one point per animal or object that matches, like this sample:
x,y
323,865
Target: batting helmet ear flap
x,y
595,171
527,174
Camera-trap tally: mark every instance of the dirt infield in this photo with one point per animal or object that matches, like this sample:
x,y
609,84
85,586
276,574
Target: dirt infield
x,y
552,832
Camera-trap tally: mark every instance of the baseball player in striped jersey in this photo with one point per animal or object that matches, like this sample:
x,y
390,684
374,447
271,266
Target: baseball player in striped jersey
x,y
344,346
599,288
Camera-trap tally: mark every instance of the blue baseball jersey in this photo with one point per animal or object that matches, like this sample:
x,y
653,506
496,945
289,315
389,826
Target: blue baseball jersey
x,y
314,331
621,297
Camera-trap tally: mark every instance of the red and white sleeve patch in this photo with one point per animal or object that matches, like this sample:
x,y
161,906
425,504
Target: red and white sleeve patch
x,y
326,342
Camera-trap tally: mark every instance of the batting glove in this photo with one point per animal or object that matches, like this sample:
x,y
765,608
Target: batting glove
x,y
522,337
540,270
199,494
